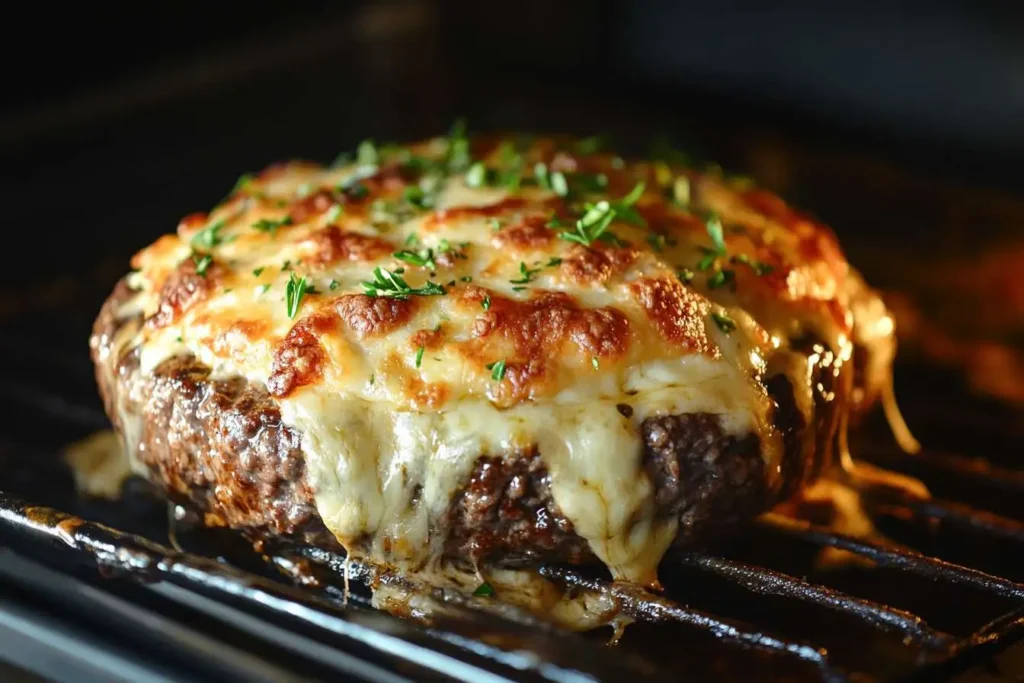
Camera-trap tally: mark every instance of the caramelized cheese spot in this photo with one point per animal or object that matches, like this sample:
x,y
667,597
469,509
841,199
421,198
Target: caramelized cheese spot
x,y
299,358
439,218
536,335
431,339
596,265
310,207
182,289
368,316
331,245
528,233
675,311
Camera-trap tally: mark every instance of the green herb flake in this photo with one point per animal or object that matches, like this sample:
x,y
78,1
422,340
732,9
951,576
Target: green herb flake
x,y
497,369
334,213
258,271
494,224
484,590
559,184
209,237
419,356
271,225
476,176
179,340
286,266
525,274
759,267
332,285
422,259
412,240
297,288
264,289
713,226
486,303
243,183
391,284
366,153
722,278
594,362
466,278
554,261
592,225
686,275
373,378
724,322
202,263
681,191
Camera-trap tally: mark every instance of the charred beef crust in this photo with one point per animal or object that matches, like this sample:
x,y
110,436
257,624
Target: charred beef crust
x,y
710,480
221,444
506,511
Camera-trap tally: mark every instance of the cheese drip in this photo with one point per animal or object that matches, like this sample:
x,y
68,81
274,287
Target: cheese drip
x,y
384,479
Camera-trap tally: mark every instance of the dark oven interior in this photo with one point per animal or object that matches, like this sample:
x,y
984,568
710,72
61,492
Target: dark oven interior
x,y
136,133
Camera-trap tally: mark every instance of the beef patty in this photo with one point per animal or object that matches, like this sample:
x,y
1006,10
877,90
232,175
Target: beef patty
x,y
221,444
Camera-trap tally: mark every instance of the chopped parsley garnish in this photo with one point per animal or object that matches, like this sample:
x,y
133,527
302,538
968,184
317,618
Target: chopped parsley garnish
x,y
497,369
332,285
243,182
681,191
592,225
686,275
419,356
366,153
624,207
423,258
457,157
178,339
202,263
209,237
356,191
334,213
594,362
466,278
713,226
554,261
297,288
476,176
722,278
264,288
390,284
258,271
554,181
526,274
373,378
271,225
418,197
287,265
494,224
486,303
484,590
759,267
412,239
724,322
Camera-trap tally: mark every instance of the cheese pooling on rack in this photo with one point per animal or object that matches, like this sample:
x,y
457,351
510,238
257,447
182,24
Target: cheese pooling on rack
x,y
421,306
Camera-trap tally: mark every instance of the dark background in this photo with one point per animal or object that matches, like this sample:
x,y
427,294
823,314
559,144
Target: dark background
x,y
898,123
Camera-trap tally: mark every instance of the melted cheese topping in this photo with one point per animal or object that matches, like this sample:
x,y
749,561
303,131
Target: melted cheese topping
x,y
533,344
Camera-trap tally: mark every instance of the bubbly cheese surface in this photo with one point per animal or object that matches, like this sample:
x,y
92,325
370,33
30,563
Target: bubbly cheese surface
x,y
428,304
